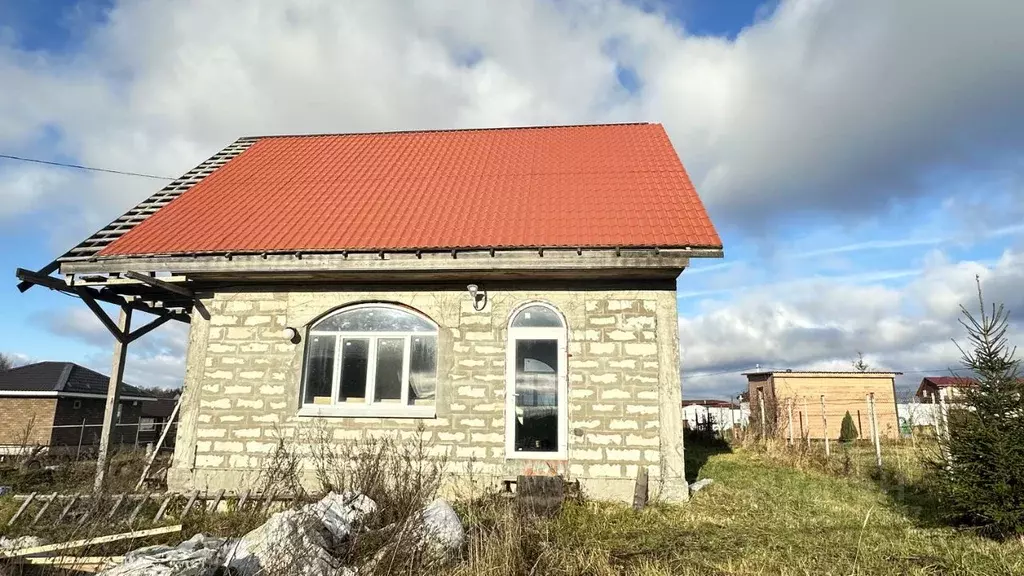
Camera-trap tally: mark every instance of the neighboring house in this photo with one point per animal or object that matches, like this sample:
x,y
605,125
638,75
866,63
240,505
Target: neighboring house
x,y
512,292
153,418
721,413
60,404
843,392
949,388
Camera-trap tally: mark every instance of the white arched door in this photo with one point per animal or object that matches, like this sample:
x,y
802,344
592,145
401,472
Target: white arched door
x,y
536,384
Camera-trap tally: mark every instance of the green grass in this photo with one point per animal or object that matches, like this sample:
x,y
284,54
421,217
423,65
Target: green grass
x,y
761,516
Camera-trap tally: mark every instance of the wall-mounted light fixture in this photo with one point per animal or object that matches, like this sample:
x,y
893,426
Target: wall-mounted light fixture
x,y
478,296
291,335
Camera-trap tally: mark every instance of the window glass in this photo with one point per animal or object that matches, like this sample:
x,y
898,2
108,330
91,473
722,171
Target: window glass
x,y
355,355
422,369
374,320
371,355
536,317
536,406
390,352
319,369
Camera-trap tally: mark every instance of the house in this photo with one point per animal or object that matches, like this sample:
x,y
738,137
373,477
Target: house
x,y
809,394
61,404
154,417
511,292
722,414
946,387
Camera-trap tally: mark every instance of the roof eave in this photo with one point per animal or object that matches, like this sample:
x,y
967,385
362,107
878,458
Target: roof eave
x,y
397,261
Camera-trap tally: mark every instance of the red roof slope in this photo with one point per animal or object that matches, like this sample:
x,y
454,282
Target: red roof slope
x,y
950,381
569,186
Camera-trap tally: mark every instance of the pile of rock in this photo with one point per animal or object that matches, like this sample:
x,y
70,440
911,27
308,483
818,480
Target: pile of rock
x,y
306,541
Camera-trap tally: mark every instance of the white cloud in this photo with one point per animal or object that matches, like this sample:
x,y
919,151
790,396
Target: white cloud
x,y
822,325
825,104
157,359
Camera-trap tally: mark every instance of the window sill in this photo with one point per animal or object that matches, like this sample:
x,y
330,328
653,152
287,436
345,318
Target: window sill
x,y
525,455
358,411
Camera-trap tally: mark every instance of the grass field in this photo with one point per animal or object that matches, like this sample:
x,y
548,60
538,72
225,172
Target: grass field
x,y
768,512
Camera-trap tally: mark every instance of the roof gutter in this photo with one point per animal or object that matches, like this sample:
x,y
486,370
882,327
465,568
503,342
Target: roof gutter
x,y
55,394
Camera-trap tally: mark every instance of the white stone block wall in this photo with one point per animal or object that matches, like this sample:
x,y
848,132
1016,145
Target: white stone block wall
x,y
242,389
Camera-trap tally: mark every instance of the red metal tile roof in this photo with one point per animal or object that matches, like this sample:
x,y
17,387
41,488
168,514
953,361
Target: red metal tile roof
x,y
569,186
950,381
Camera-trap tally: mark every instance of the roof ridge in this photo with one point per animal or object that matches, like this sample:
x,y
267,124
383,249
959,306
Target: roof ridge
x,y
65,375
445,130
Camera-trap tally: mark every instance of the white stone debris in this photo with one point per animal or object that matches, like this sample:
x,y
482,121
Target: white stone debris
x,y
305,541
197,556
443,533
20,542
700,485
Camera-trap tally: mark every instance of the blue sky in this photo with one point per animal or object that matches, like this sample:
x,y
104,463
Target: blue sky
x,y
860,170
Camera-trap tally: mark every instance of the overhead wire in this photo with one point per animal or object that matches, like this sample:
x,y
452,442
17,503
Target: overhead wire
x,y
89,168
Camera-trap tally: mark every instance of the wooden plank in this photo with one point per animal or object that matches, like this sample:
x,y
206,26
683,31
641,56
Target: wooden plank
x,y
153,325
243,500
189,504
640,492
89,564
31,551
163,507
157,283
271,494
138,508
67,508
43,510
216,500
24,506
119,332
117,504
160,442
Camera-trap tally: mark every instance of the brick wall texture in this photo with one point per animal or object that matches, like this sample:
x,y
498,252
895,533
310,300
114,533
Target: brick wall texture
x,y
242,385
58,422
26,421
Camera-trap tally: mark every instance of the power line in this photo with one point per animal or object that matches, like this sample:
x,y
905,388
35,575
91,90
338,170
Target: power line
x,y
90,168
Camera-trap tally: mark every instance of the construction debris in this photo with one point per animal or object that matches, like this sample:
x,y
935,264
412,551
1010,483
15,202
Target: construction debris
x,y
700,485
36,549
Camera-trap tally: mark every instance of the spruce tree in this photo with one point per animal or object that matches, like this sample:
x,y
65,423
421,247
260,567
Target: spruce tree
x,y
981,476
848,430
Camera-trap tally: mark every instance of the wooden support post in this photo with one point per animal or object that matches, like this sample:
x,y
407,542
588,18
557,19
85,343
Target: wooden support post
x,y
113,397
760,401
874,430
789,425
159,443
824,427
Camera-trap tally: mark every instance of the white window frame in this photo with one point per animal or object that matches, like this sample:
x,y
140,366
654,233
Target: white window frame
x,y
369,408
551,333
147,424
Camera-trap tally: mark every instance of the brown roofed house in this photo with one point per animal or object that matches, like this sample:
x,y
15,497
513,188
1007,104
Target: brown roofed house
x,y
511,291
946,387
61,404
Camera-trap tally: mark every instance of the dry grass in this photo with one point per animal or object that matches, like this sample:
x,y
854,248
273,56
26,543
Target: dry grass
x,y
772,510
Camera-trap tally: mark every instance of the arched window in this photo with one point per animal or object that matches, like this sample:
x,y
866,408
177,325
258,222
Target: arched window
x,y
371,359
536,413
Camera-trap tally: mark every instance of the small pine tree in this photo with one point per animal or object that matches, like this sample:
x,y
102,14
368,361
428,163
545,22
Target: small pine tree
x,y
848,430
981,478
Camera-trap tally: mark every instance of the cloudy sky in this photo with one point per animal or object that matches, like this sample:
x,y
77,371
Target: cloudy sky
x,y
862,159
